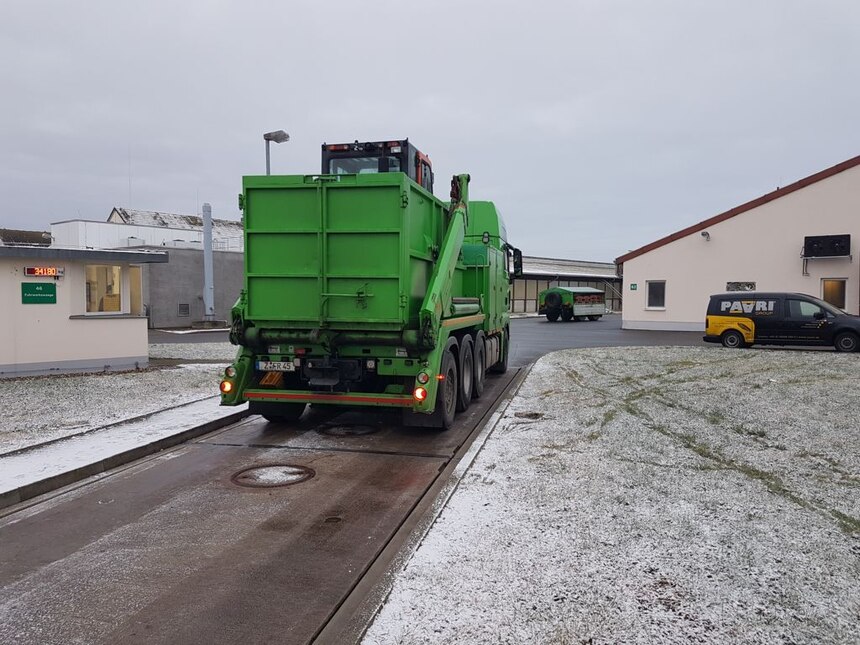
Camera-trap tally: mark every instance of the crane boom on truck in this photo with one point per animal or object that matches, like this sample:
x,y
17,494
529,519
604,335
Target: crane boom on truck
x,y
362,288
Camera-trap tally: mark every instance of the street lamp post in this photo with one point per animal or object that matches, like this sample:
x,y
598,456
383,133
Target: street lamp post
x,y
278,136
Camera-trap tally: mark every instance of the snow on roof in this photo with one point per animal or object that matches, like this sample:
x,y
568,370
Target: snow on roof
x,y
11,236
220,227
578,268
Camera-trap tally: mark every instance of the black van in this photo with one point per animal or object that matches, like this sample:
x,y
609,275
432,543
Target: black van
x,y
748,317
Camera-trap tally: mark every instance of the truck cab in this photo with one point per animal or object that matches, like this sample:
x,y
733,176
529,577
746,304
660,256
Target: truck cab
x,y
376,157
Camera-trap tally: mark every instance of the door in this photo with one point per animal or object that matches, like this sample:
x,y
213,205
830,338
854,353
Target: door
x,y
805,322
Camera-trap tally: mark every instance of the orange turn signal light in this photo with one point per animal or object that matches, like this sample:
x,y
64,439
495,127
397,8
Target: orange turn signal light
x,y
226,387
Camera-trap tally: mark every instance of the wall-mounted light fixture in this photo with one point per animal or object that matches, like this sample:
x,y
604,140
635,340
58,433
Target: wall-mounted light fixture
x,y
706,235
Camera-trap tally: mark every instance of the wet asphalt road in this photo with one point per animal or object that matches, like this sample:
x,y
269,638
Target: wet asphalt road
x,y
531,337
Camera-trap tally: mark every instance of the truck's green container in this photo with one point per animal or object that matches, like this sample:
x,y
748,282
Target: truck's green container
x,y
360,282
572,303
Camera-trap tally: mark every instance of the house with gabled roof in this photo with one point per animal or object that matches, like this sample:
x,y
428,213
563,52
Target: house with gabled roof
x,y
799,238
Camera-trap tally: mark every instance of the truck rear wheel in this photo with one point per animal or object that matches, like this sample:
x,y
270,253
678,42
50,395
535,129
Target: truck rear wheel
x,y
480,366
466,373
446,395
552,316
566,315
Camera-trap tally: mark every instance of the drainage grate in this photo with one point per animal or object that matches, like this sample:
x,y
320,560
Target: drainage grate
x,y
272,475
347,430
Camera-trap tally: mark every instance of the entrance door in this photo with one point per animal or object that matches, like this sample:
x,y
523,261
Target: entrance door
x,y
833,291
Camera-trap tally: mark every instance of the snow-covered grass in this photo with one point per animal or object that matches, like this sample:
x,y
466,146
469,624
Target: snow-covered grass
x,y
38,409
652,495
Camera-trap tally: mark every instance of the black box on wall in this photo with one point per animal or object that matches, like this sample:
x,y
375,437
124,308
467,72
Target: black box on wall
x,y
826,246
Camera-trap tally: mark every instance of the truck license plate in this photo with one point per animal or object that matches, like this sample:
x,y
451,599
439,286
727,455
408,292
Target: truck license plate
x,y
276,366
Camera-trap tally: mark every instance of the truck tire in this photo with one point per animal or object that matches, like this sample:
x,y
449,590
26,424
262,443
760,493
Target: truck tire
x,y
480,366
466,372
552,316
277,412
845,342
552,300
502,366
566,315
733,339
594,317
446,395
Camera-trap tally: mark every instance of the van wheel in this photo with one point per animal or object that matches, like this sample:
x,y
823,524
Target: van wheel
x,y
446,395
466,373
733,339
845,342
480,366
552,316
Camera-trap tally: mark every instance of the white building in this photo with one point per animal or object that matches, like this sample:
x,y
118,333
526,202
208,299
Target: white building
x,y
69,310
762,245
126,227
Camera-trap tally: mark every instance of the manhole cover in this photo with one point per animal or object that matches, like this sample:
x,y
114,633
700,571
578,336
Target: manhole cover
x,y
348,430
272,475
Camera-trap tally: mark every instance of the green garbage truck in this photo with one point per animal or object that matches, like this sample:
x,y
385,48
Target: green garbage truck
x,y
361,288
572,303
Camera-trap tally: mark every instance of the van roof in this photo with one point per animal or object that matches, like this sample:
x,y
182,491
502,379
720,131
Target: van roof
x,y
760,294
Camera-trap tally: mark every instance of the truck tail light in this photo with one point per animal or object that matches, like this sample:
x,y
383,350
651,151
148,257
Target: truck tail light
x,y
226,387
420,394
423,378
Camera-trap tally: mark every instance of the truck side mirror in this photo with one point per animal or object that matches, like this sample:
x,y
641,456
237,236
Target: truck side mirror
x,y
518,263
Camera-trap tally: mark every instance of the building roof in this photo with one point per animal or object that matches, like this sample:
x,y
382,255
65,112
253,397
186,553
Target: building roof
x,y
33,238
220,227
62,253
743,208
554,267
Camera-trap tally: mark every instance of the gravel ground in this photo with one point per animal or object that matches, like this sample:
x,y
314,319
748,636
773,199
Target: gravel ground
x,y
652,495
41,408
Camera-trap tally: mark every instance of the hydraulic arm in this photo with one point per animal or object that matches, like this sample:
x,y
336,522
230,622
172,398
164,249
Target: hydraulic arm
x,y
438,300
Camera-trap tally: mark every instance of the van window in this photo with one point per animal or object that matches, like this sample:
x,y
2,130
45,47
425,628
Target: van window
x,y
801,309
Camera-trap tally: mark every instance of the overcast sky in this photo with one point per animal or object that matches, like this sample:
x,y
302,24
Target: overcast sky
x,y
596,126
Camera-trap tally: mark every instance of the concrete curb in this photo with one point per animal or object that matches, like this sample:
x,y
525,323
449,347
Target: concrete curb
x,y
49,484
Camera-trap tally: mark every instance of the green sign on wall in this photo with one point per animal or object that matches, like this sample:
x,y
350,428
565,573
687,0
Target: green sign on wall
x,y
633,286
38,293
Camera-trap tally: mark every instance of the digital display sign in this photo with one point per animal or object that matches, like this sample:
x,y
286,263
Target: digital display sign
x,y
51,272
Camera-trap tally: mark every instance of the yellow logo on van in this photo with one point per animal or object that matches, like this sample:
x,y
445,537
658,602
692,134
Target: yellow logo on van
x,y
755,307
716,325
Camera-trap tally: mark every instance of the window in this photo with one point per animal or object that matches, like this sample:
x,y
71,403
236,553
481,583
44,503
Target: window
x,y
802,310
656,294
103,288
362,165
740,286
833,291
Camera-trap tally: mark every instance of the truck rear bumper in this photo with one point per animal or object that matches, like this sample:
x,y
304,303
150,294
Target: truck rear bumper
x,y
332,398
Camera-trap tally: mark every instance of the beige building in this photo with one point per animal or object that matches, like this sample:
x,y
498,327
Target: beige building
x,y
72,310
542,273
799,238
